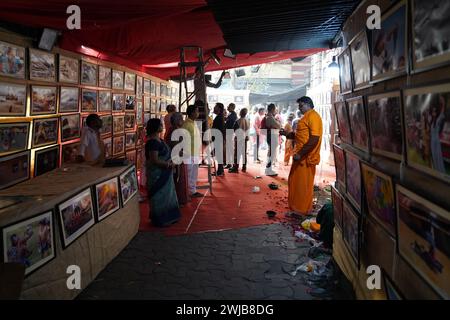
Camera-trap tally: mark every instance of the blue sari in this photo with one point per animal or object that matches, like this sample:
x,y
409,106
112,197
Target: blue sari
x,y
164,208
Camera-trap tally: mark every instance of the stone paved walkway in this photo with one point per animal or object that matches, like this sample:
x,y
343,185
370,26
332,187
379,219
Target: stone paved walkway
x,y
250,263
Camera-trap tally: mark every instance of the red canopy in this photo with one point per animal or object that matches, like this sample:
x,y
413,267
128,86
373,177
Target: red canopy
x,y
138,34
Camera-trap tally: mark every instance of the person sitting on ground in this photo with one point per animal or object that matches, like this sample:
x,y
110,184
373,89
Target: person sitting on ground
x,y
164,208
244,124
92,149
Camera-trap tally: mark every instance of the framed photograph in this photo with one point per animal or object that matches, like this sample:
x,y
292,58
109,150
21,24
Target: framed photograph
x,y
392,293
431,34
158,89
131,156
339,162
139,113
13,137
106,128
423,238
163,106
14,169
45,132
107,198
353,179
42,66
351,223
118,104
130,122
76,216
338,202
104,77
88,73
89,101
68,101
343,122
13,99
139,86
360,61
118,125
153,89
130,103
43,100
358,127
389,44
107,142
118,145
12,58
147,102
69,153
345,71
385,124
146,118
117,79
30,242
68,70
130,140
427,126
153,106
130,81
379,191
104,101
128,185
146,86
140,136
70,127
46,160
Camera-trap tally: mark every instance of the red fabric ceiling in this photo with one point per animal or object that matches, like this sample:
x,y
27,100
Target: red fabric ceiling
x,y
136,32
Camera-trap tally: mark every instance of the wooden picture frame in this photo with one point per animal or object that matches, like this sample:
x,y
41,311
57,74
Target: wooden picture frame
x,y
353,179
38,232
104,101
339,160
70,127
118,79
118,102
358,125
14,168
130,82
104,77
89,100
118,145
15,65
46,160
89,74
385,124
13,99
343,122
338,202
380,197
423,238
45,132
382,68
345,71
42,65
360,54
68,71
427,18
430,108
69,99
14,137
43,100
351,222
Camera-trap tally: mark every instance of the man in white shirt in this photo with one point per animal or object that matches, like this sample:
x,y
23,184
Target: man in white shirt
x,y
91,145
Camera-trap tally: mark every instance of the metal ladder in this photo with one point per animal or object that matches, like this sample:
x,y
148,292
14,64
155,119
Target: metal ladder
x,y
199,93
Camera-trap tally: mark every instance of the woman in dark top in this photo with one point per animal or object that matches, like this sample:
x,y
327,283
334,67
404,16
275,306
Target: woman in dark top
x,y
164,209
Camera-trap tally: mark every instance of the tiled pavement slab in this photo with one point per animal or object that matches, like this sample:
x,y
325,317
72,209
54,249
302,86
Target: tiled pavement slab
x,y
251,263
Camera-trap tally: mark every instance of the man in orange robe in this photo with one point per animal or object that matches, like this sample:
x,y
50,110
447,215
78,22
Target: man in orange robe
x,y
306,155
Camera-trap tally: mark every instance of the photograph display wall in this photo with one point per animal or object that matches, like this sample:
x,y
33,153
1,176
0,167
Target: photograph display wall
x,y
45,98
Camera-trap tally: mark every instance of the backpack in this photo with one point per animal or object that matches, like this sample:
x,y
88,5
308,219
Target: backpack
x,y
263,123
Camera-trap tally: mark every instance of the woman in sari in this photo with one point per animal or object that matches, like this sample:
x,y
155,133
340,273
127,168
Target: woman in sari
x,y
180,175
164,209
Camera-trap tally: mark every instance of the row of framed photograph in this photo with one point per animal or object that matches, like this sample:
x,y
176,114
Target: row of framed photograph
x,y
16,168
391,52
422,228
42,66
416,130
46,100
32,241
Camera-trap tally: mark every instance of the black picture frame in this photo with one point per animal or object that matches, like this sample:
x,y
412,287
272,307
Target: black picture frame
x,y
360,54
37,168
125,198
67,241
45,261
351,222
345,71
97,205
356,110
6,183
36,123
